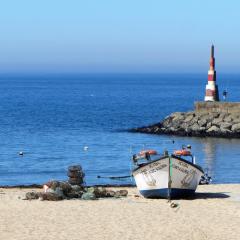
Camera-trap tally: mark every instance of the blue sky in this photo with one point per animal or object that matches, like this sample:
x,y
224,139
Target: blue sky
x,y
118,36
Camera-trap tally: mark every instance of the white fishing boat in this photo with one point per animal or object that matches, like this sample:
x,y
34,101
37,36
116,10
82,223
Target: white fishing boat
x,y
166,176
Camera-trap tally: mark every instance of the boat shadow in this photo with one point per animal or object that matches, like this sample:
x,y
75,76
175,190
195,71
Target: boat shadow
x,y
208,195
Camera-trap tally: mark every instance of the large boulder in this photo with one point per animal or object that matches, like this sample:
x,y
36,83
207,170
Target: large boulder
x,y
193,121
226,132
176,124
235,118
185,126
217,121
223,115
195,127
202,122
228,118
209,125
167,122
205,117
225,125
177,116
213,129
236,127
214,115
189,118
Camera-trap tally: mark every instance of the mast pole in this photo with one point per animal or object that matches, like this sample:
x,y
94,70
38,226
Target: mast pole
x,y
169,178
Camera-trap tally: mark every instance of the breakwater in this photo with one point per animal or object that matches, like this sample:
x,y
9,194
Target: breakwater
x,y
209,119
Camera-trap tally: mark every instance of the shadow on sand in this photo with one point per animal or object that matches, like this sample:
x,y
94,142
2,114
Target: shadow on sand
x,y
198,195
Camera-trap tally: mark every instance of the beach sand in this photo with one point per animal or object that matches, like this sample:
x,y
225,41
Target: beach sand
x,y
214,213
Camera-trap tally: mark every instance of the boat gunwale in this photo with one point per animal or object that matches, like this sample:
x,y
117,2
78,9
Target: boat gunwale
x,y
174,156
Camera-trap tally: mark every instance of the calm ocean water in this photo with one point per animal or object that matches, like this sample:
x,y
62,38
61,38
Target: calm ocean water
x,y
51,118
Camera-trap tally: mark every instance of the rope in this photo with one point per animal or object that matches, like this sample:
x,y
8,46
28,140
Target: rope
x,y
115,177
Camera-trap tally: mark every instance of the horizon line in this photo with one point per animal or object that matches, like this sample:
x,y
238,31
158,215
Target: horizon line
x,y
14,73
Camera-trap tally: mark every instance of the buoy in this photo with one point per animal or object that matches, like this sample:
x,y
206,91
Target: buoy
x,y
20,153
85,148
182,152
150,152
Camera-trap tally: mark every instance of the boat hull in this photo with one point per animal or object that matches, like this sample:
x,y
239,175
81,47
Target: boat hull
x,y
167,177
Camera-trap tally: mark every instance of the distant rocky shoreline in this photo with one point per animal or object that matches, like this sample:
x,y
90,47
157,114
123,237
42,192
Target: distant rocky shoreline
x,y
197,123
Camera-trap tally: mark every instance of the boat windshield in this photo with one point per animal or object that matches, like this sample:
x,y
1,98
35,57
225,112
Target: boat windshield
x,y
189,158
156,157
153,157
148,158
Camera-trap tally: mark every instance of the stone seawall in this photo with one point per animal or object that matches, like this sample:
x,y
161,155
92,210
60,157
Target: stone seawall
x,y
219,107
209,119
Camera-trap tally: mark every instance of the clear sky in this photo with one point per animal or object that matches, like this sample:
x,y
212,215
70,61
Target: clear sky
x,y
118,36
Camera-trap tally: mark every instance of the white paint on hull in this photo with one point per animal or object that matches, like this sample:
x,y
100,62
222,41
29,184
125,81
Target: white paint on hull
x,y
155,175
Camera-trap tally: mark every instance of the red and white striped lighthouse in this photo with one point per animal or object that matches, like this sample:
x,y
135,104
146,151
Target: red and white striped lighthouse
x,y
211,87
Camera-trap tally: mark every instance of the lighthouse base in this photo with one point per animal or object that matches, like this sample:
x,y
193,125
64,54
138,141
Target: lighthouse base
x,y
212,94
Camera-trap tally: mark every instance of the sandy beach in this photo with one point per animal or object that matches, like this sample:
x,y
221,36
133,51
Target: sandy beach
x,y
214,213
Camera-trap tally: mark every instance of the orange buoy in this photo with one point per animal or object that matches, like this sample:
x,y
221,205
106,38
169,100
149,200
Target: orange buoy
x,y
150,152
182,152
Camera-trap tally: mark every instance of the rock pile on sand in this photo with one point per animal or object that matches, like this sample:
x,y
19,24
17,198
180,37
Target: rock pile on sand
x,y
73,188
196,124
63,190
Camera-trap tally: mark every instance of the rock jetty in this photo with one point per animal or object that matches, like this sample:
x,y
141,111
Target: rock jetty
x,y
197,123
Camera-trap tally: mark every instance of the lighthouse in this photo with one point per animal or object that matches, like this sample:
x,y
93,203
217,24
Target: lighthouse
x,y
211,87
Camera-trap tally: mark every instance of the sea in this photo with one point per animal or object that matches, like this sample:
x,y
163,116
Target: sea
x,y
58,120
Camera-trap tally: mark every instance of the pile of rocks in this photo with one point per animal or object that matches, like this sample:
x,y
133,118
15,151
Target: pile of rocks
x,y
56,190
73,188
197,124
